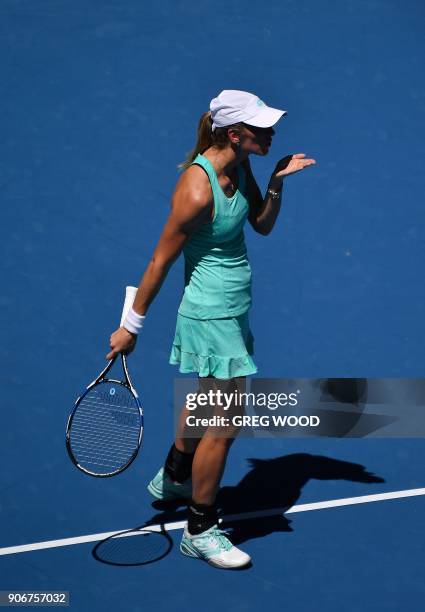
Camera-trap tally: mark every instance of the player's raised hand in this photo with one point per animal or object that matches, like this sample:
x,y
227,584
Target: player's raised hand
x,y
291,164
121,341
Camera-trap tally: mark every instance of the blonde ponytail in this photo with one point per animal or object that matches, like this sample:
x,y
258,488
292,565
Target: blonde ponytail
x,y
204,140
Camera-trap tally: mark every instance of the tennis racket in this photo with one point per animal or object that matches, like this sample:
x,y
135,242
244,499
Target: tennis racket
x,y
105,428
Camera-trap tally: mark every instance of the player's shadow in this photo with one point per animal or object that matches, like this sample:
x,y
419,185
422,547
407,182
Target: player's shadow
x,y
270,484
277,484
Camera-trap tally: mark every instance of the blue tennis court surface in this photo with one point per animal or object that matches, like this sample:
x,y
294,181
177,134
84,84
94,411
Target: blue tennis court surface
x,y
100,103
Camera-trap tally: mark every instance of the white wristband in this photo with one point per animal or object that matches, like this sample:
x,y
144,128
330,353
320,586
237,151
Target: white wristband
x,y
133,321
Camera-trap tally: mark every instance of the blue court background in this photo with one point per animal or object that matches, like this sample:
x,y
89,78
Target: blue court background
x,y
100,103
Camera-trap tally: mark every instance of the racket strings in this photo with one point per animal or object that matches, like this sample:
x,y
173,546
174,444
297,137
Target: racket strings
x,y
93,401
106,427
84,423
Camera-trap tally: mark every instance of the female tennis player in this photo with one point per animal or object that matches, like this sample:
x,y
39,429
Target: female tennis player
x,y
214,196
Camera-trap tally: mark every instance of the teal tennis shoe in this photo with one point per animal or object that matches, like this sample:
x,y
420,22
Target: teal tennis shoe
x,y
214,547
164,488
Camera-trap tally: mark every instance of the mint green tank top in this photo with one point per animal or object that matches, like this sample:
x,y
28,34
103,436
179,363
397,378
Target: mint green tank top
x,y
217,270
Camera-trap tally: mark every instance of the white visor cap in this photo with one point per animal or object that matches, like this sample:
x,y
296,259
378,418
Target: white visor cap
x,y
234,106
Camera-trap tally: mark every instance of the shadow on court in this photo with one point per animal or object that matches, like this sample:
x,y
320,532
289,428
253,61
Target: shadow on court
x,y
277,483
269,484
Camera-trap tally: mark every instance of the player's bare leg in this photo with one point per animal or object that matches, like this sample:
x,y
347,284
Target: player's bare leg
x,y
202,536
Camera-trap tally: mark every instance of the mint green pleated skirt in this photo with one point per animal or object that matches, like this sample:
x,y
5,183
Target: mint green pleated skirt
x,y
222,348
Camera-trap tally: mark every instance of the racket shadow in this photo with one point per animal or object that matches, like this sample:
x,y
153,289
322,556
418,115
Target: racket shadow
x,y
141,545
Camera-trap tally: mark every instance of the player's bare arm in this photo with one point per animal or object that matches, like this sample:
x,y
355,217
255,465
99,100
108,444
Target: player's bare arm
x,y
191,207
263,211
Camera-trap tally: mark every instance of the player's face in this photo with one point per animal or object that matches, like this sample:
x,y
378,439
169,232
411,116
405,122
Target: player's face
x,y
256,140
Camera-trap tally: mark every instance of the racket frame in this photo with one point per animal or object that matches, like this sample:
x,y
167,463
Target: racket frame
x,y
101,378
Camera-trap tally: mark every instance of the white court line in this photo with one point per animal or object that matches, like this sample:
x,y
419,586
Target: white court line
x,y
331,503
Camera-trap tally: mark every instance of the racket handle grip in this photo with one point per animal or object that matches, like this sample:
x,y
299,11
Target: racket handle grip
x,y
130,294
